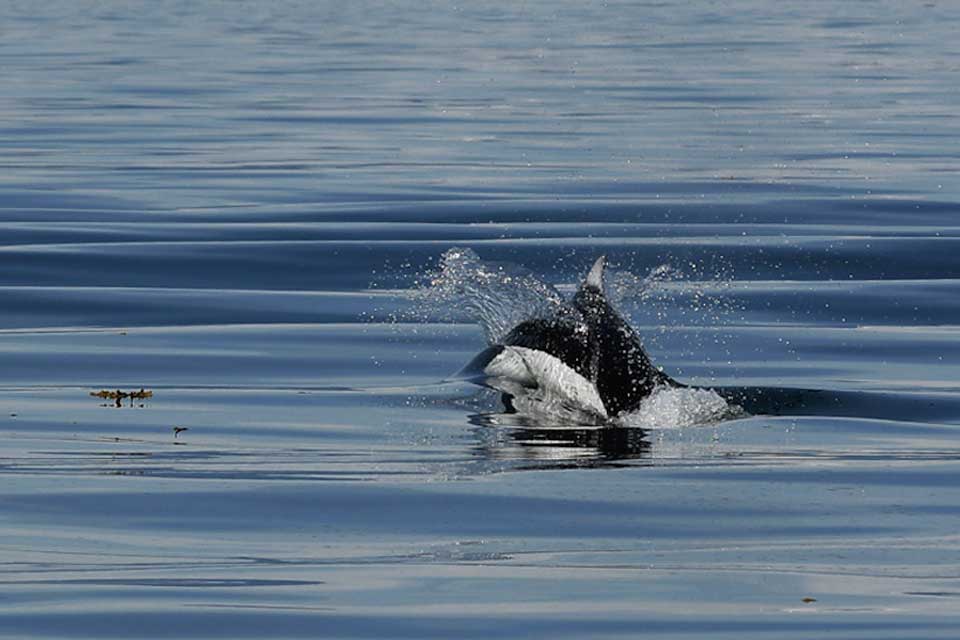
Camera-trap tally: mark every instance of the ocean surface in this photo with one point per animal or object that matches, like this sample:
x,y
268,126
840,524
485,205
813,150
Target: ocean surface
x,y
243,207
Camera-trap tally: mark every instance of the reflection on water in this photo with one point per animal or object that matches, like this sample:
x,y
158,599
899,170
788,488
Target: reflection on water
x,y
513,437
794,425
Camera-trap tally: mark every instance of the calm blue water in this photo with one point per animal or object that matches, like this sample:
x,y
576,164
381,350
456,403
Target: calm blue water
x,y
231,204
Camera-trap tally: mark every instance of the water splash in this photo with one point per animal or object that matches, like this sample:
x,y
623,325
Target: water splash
x,y
626,287
683,407
691,294
497,296
686,294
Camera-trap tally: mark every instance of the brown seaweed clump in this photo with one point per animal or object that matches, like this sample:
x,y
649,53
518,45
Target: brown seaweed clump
x,y
118,396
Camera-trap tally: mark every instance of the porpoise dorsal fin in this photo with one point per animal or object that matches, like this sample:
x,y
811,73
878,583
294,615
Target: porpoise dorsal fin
x,y
594,278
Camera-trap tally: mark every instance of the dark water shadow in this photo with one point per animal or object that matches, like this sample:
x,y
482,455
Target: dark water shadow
x,y
902,406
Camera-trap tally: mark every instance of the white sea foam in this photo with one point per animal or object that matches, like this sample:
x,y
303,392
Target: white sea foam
x,y
669,407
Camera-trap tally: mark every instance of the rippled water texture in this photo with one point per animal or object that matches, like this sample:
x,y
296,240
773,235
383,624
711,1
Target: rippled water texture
x,y
234,205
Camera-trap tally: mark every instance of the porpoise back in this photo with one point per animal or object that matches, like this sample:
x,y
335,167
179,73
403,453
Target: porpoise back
x,y
624,375
594,340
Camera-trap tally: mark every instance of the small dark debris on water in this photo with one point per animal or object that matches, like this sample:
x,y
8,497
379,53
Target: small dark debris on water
x,y
113,395
809,600
118,396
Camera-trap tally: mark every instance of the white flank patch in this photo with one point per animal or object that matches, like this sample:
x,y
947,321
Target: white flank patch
x,y
532,368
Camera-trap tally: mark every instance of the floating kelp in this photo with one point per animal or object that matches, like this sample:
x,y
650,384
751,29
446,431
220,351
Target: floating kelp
x,y
118,395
